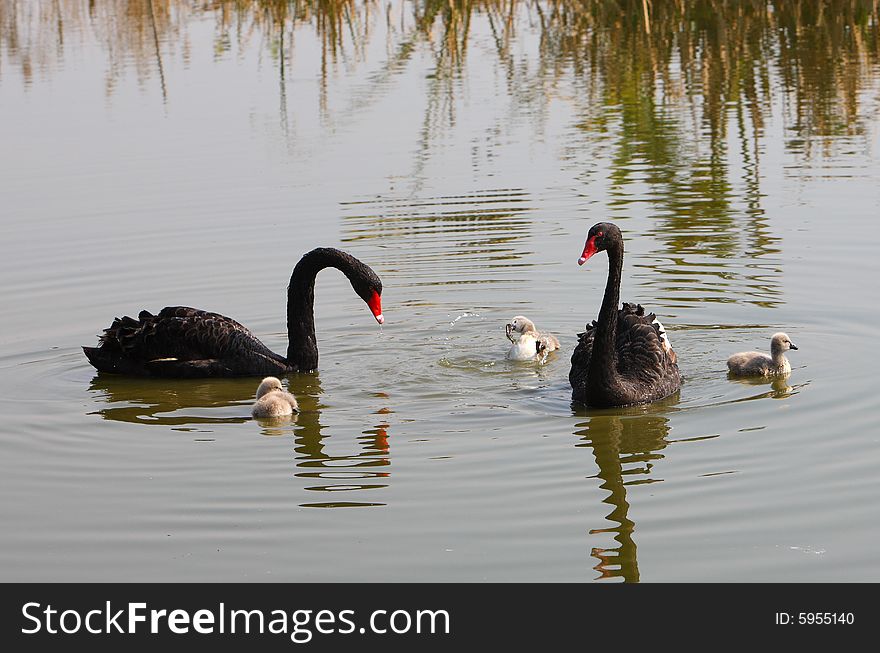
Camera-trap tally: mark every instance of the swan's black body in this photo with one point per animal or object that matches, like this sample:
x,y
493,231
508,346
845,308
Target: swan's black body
x,y
186,342
620,359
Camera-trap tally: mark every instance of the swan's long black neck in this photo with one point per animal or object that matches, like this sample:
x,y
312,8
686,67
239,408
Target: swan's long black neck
x,y
302,346
603,360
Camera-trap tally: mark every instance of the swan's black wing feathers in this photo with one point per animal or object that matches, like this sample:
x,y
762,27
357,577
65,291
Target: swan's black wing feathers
x,y
640,353
647,369
580,360
183,342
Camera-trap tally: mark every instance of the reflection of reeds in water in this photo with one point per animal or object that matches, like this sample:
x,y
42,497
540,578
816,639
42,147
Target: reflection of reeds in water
x,y
682,93
140,32
676,95
474,238
708,58
663,99
36,35
625,447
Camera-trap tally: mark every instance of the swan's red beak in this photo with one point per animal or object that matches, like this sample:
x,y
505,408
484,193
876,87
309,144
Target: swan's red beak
x,y
589,250
375,304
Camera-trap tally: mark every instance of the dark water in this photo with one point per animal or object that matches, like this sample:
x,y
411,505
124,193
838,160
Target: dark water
x,y
165,152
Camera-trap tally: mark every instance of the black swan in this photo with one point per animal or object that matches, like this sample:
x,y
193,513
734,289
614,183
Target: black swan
x,y
754,363
185,342
273,400
624,357
527,342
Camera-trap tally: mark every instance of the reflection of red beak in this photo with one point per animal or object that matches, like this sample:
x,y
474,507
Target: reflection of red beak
x,y
375,304
589,250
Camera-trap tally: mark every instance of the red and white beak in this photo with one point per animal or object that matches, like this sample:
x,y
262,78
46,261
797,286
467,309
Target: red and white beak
x,y
375,304
589,250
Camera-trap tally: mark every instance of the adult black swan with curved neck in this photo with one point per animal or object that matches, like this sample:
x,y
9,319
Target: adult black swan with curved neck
x,y
185,342
623,357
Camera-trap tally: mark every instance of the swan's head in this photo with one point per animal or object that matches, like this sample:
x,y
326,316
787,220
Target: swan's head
x,y
267,385
781,342
368,286
600,238
518,326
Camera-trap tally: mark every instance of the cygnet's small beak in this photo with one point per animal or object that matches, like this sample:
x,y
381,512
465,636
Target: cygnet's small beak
x,y
792,345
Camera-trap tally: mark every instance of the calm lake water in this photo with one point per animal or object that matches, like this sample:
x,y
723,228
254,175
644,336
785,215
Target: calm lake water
x,y
168,152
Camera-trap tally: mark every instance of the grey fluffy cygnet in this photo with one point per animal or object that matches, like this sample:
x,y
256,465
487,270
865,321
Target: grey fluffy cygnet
x,y
527,342
754,363
273,400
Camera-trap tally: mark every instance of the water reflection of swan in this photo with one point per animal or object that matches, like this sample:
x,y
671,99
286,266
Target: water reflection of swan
x,y
153,401
344,473
624,445
780,388
365,469
184,405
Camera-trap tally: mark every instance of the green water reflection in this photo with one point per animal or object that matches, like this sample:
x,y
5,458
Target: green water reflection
x,y
679,96
706,59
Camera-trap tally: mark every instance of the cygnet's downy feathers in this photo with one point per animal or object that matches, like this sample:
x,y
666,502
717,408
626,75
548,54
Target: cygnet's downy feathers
x,y
527,343
755,363
273,400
